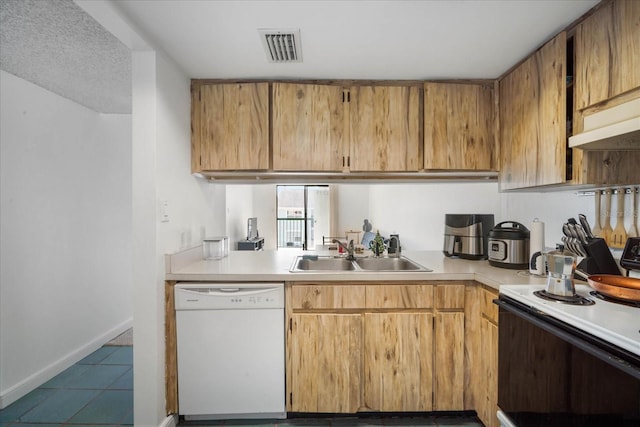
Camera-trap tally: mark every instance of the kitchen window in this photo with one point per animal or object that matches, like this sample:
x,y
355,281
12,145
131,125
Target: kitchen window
x,y
302,215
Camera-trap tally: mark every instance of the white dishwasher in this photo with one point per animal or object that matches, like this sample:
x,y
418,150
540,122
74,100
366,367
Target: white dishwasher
x,y
231,358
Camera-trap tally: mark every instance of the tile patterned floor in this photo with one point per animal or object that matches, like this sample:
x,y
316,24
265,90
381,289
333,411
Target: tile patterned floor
x,y
98,390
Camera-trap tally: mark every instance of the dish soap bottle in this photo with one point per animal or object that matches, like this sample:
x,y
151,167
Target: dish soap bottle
x,y
377,244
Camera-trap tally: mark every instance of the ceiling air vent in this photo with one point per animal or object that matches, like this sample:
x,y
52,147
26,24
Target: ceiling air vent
x,y
281,45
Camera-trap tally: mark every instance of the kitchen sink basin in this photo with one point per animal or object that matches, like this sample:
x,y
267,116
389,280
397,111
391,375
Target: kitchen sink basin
x,y
366,264
389,264
312,263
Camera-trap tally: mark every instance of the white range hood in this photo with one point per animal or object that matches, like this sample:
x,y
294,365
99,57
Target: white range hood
x,y
616,128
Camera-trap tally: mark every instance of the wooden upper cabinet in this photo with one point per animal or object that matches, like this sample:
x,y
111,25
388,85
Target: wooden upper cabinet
x,y
533,119
384,131
230,126
607,49
459,126
308,127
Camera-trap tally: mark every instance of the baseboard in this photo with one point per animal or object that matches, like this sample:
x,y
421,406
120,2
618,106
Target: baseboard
x,y
15,392
170,421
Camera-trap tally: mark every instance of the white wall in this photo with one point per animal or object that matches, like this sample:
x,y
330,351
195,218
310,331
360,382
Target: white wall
x,y
239,203
416,211
556,207
161,172
66,285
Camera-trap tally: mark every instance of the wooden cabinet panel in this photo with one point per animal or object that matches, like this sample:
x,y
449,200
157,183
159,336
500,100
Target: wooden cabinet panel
x,y
450,296
385,128
399,296
449,361
398,361
533,119
487,404
230,126
458,126
489,407
607,49
327,296
308,127
325,363
489,309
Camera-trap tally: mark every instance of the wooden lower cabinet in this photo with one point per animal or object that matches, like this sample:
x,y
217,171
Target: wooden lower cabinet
x,y
376,347
325,360
398,366
395,347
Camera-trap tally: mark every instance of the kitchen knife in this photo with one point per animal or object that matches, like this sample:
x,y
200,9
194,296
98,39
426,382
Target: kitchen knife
x,y
567,239
582,235
586,227
575,239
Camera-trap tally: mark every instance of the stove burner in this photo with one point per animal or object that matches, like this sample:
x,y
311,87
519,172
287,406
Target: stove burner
x,y
614,299
572,300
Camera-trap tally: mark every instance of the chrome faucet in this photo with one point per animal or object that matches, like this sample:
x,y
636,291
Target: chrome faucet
x,y
349,249
396,246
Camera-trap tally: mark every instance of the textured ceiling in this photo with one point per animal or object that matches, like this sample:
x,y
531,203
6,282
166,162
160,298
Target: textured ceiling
x,y
56,45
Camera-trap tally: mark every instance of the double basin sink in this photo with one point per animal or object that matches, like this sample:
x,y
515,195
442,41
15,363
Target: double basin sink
x,y
365,264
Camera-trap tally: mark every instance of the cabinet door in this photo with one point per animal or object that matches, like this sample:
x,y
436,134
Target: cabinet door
x,y
398,367
325,360
489,337
607,49
458,127
533,119
449,362
308,127
488,403
384,129
230,127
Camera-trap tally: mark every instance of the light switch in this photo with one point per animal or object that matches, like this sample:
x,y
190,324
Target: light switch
x,y
164,211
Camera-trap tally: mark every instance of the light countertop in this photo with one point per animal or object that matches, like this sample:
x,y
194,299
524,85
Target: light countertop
x,y
271,265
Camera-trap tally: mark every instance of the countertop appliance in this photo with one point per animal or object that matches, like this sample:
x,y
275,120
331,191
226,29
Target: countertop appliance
x,y
576,364
465,235
509,246
231,360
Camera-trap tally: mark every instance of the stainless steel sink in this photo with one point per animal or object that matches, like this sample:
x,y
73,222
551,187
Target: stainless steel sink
x,y
311,263
366,264
389,264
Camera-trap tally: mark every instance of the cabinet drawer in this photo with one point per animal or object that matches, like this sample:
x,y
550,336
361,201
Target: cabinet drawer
x,y
450,296
399,296
337,297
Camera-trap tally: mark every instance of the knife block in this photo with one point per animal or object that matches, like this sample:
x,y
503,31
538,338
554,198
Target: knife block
x,y
599,259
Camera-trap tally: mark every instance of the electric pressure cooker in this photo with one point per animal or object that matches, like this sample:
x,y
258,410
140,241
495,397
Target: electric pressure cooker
x,y
509,245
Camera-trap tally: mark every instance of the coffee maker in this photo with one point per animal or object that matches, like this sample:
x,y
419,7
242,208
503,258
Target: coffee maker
x,y
467,235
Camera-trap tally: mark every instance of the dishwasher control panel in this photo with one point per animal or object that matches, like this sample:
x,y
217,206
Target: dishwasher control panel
x,y
207,296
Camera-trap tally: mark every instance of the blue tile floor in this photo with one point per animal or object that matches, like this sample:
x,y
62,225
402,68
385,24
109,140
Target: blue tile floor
x,y
98,390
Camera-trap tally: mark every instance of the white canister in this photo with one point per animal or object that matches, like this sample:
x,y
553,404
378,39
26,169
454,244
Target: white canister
x,y
536,247
215,247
